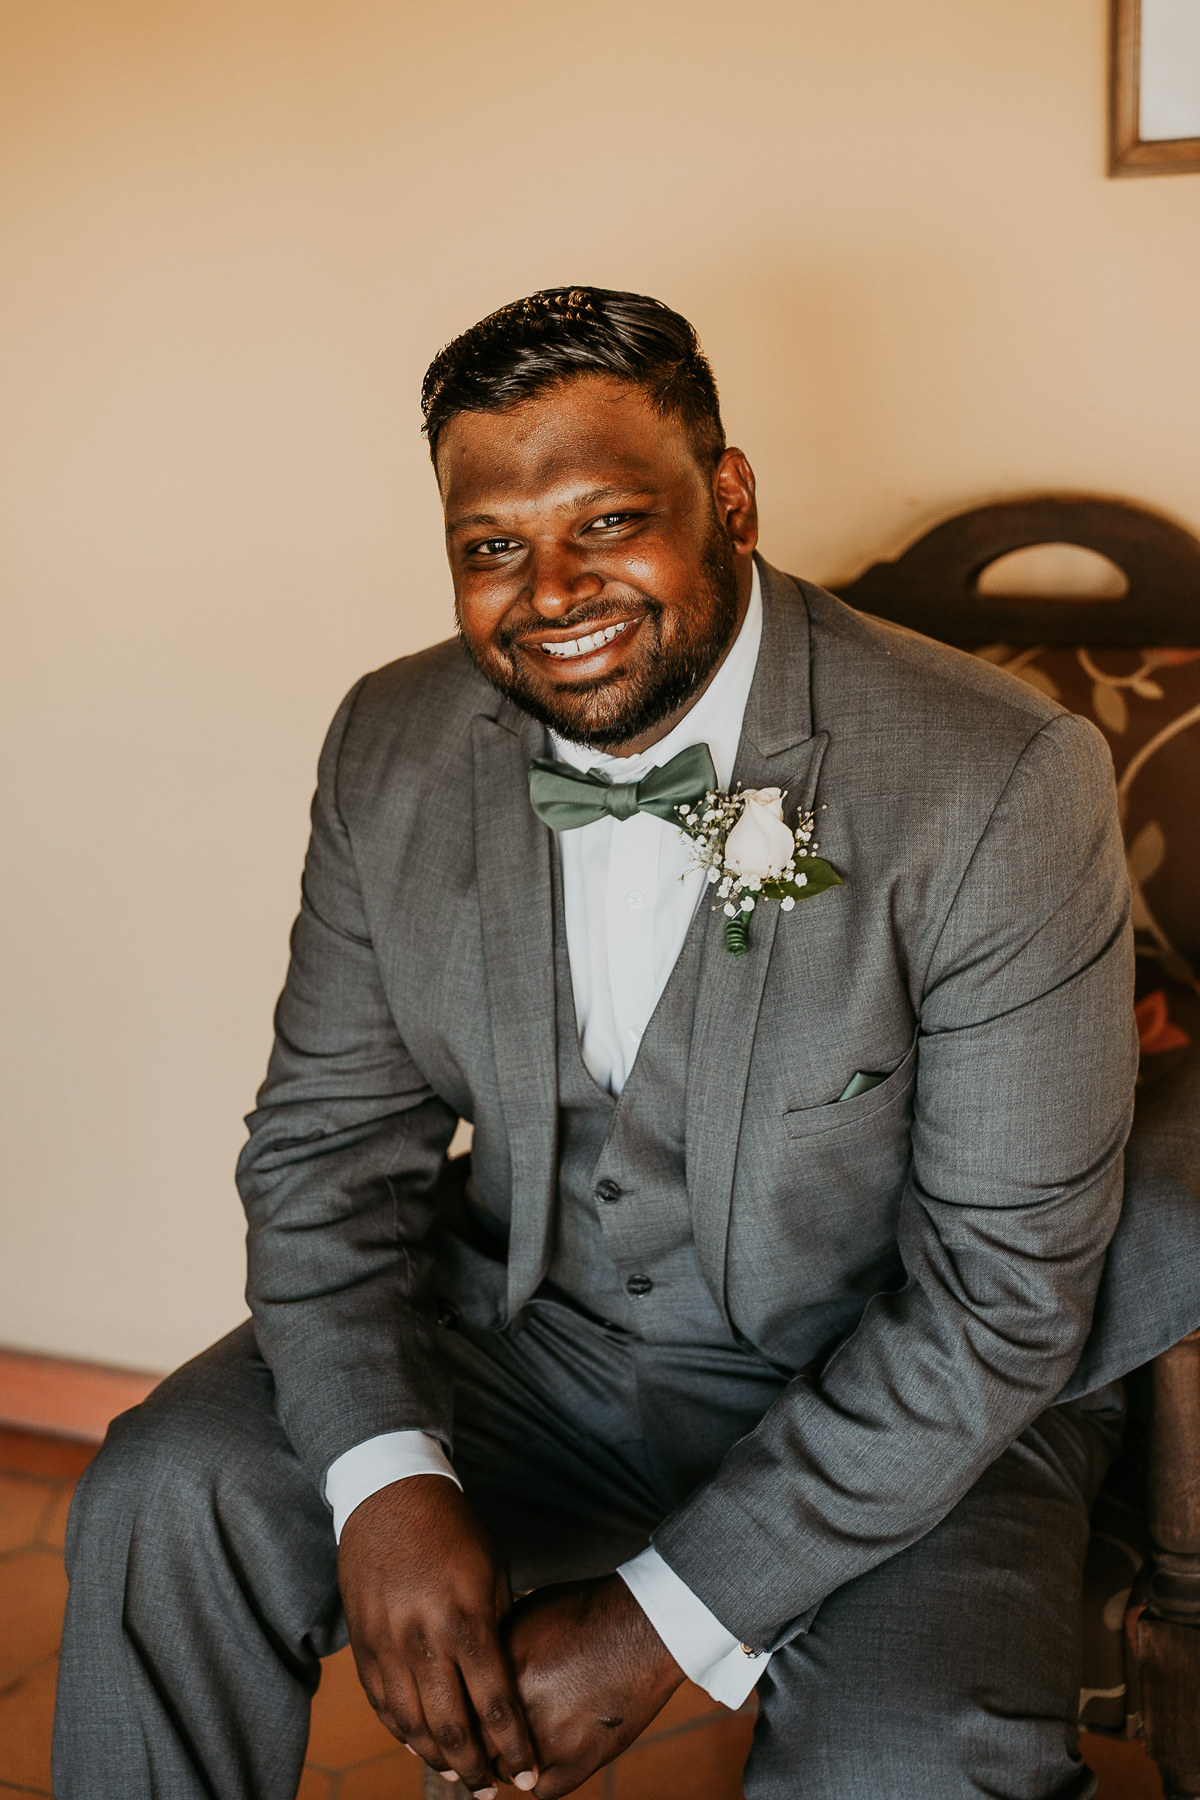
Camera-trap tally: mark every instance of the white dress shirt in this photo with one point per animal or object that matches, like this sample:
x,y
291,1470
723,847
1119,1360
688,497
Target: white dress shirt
x,y
629,895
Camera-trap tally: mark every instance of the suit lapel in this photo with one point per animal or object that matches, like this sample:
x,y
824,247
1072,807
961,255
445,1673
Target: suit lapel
x,y
512,861
778,749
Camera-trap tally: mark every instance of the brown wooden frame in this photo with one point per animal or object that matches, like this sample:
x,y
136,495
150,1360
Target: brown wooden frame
x,y
1129,154
1163,1622
933,586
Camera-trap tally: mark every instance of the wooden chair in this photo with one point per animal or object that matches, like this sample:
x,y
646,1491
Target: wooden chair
x,y
1131,662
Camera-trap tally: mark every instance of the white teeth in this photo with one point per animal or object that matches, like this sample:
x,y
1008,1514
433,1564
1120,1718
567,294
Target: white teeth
x,y
581,646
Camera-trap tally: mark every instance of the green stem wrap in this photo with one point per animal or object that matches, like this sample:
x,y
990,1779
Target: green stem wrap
x,y
737,934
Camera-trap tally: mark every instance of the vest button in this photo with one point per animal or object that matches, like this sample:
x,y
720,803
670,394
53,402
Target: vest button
x,y
637,1285
608,1190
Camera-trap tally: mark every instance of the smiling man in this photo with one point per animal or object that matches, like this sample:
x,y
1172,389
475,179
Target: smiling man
x,y
742,1346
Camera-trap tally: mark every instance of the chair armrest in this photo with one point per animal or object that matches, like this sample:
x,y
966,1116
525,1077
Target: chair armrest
x,y
1163,1621
1173,1484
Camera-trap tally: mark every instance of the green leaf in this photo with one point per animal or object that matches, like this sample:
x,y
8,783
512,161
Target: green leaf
x,y
821,876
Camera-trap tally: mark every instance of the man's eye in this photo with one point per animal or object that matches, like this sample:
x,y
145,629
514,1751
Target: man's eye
x,y
493,547
610,519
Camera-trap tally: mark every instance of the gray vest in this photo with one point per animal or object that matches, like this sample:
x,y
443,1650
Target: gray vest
x,y
623,1245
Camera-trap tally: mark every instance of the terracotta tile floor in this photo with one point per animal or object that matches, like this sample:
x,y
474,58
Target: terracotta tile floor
x,y
693,1751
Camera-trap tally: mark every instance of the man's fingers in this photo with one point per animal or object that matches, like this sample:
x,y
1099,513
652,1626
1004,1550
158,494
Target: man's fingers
x,y
390,1708
493,1695
451,1724
558,1781
399,1706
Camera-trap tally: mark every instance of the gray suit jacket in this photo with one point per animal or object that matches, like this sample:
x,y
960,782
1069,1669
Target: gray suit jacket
x,y
927,1253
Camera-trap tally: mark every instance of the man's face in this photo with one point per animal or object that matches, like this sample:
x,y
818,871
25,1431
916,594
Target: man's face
x,y
600,572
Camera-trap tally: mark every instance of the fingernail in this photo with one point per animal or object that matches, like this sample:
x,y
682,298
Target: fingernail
x,y
526,1779
486,1793
410,1749
447,1775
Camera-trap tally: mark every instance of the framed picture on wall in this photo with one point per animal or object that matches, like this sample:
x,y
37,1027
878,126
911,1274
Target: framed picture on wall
x,y
1155,87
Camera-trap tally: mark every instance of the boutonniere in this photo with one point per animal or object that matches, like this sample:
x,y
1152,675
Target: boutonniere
x,y
751,855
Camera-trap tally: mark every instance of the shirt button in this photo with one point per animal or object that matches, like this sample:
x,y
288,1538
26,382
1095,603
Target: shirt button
x,y
635,900
608,1191
637,1285
632,1034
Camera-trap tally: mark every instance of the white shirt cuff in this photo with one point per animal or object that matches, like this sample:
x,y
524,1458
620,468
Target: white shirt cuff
x,y
707,1653
357,1474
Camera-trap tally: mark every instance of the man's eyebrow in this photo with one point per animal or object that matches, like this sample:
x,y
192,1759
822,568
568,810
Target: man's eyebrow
x,y
578,501
575,503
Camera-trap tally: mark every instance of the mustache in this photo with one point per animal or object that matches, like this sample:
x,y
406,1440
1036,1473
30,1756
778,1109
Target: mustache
x,y
588,612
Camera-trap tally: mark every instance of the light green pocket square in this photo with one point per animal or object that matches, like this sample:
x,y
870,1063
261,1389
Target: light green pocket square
x,y
860,1084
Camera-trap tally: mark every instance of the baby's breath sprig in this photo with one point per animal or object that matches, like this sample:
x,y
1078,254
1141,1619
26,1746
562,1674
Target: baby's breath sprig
x,y
742,880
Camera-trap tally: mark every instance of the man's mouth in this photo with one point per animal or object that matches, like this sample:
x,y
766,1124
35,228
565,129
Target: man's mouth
x,y
584,646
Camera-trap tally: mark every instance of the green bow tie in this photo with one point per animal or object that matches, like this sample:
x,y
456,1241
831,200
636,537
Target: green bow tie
x,y
565,798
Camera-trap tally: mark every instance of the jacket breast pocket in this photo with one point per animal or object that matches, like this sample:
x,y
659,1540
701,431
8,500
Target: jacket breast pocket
x,y
879,1104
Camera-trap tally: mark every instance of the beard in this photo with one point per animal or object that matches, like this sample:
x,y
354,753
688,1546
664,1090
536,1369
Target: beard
x,y
678,651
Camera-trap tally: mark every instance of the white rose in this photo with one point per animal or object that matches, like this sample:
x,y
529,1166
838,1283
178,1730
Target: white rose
x,y
760,844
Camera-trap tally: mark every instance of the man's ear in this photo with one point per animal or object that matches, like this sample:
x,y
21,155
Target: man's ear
x,y
735,500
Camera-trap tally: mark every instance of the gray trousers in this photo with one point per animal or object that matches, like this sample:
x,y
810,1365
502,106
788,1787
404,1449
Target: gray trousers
x,y
204,1581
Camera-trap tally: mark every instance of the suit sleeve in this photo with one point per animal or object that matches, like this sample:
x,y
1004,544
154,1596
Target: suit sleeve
x,y
1026,1063
337,1178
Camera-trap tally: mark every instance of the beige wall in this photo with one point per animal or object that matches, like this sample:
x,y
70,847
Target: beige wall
x,y
234,232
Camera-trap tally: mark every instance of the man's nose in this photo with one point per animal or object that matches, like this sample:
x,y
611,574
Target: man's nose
x,y
560,580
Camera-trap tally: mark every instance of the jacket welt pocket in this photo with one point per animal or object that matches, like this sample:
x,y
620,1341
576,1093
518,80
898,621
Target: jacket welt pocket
x,y
837,1115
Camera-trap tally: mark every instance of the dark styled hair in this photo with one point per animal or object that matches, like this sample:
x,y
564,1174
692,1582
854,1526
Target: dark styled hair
x,y
539,342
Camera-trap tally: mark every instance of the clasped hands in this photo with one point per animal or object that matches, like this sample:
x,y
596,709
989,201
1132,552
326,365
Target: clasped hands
x,y
540,1695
